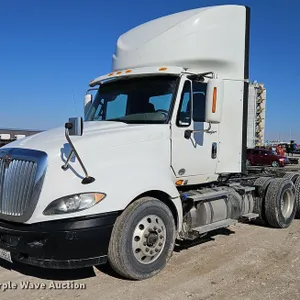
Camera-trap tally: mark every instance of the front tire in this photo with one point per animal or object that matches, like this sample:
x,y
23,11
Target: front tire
x,y
142,239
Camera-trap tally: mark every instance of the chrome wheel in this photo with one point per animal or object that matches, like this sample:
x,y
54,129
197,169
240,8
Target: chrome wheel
x,y
287,203
275,164
148,239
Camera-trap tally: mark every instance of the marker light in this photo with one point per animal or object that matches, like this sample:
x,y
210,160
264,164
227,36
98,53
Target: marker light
x,y
179,182
214,102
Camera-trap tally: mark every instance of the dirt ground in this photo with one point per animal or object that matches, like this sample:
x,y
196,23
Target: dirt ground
x,y
243,262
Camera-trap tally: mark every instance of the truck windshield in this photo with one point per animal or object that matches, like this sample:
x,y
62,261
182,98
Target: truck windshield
x,y
134,100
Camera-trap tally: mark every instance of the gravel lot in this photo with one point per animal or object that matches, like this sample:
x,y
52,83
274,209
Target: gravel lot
x,y
243,262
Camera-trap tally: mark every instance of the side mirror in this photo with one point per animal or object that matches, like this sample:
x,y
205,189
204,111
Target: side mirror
x,y
214,101
88,99
75,126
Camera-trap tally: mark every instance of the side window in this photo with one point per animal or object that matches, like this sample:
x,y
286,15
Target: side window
x,y
199,92
261,152
184,111
117,107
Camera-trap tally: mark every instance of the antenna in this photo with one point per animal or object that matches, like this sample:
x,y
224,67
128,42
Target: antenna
x,y
74,103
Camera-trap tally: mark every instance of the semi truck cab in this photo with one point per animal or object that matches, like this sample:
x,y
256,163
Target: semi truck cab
x,y
159,156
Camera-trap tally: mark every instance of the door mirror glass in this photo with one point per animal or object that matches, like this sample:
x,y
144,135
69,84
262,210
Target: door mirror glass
x,y
214,101
75,126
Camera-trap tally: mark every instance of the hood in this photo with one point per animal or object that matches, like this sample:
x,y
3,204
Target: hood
x,y
100,134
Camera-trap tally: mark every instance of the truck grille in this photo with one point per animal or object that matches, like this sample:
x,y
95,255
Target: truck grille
x,y
21,177
16,186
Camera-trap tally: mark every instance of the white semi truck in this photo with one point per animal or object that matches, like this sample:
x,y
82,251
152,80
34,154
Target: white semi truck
x,y
158,158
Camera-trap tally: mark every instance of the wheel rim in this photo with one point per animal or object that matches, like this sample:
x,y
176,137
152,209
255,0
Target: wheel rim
x,y
148,239
275,164
287,203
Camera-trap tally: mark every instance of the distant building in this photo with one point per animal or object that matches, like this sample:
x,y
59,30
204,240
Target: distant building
x,y
256,115
9,135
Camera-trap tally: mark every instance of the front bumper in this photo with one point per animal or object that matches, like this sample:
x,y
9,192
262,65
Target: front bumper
x,y
60,244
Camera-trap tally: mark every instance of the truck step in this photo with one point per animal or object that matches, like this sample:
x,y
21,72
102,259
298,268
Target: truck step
x,y
249,217
217,225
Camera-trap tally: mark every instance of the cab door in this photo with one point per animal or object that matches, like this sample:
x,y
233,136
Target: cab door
x,y
196,153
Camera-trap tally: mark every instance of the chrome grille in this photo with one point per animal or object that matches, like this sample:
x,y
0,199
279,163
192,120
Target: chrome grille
x,y
16,186
22,173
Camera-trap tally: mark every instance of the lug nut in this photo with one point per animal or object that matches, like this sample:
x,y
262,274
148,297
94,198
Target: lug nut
x,y
147,249
145,244
160,244
161,236
159,230
151,252
156,250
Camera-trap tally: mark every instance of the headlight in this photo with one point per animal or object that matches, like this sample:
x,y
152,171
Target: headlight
x,y
73,203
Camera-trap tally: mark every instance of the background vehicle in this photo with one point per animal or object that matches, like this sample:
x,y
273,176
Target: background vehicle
x,y
160,156
263,157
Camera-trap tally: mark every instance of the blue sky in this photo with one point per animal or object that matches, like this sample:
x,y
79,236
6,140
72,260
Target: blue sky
x,y
50,50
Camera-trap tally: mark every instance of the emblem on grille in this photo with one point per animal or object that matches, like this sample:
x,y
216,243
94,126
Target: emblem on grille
x,y
7,160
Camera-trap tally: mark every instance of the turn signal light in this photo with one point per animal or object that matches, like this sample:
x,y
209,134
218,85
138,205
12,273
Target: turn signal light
x,y
179,182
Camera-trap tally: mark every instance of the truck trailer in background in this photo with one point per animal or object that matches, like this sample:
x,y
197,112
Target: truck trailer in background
x,y
159,158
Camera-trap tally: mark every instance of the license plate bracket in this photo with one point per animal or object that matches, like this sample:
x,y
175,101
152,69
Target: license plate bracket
x,y
4,254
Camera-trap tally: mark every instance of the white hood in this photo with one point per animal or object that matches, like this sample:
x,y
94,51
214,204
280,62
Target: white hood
x,y
102,134
125,159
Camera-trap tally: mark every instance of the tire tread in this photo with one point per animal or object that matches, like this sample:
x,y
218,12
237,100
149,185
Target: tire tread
x,y
271,205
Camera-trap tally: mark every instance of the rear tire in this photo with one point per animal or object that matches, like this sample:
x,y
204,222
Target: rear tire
x,y
291,176
280,203
261,184
142,239
297,194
